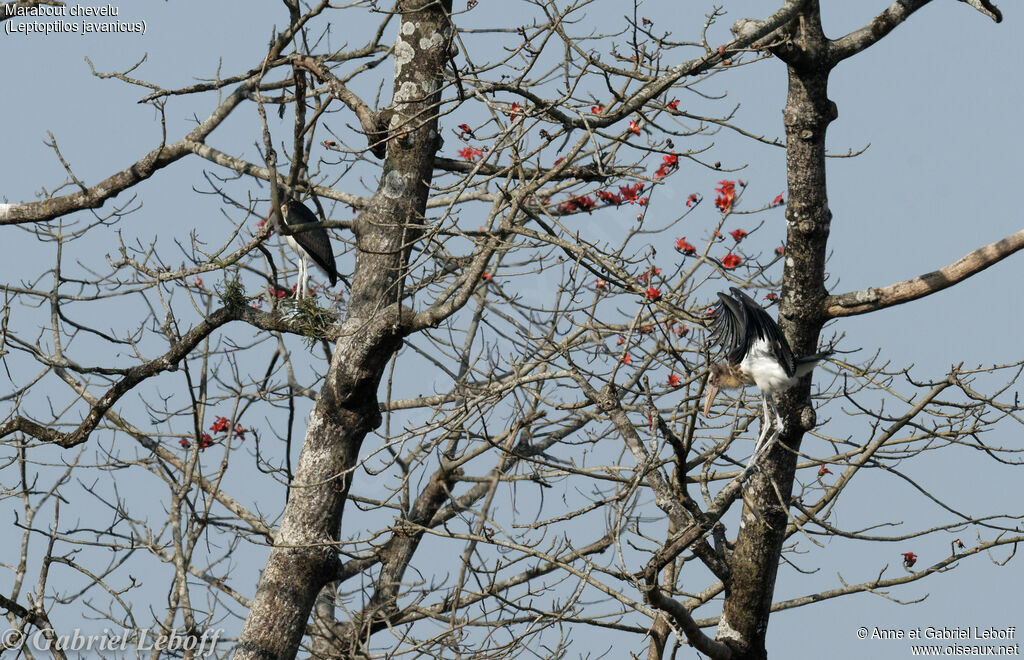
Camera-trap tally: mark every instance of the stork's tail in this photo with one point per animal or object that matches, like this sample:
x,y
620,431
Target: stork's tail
x,y
806,363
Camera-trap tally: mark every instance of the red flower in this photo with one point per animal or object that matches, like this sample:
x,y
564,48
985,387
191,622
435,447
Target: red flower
x,y
240,432
909,559
572,204
726,195
778,201
646,329
632,192
205,441
513,113
668,163
642,202
486,277
220,424
822,471
470,154
609,197
184,443
601,285
731,261
558,161
621,341
674,380
692,199
652,293
330,144
585,203
627,359
466,130
597,109
772,297
681,330
781,250
199,282
738,235
261,224
685,247
674,104
635,127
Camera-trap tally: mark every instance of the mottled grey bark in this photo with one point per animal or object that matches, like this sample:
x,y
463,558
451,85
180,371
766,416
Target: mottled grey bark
x,y
810,57
304,557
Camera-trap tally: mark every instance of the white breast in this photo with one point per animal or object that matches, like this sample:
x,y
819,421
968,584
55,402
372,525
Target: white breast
x,y
760,366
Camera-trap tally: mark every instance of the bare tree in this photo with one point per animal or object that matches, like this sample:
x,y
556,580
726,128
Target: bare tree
x,y
503,445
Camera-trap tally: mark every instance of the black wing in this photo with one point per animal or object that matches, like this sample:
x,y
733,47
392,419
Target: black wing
x,y
762,326
738,322
729,328
314,242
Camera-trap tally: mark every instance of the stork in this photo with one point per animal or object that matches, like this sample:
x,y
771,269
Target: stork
x,y
757,353
312,243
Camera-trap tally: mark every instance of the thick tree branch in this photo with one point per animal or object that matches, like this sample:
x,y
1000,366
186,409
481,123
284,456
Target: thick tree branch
x,y
872,299
881,25
712,648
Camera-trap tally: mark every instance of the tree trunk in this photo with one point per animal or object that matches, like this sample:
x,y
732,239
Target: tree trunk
x,y
755,561
304,556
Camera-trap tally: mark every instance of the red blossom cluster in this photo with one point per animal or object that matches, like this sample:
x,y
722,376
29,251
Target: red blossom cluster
x,y
470,154
601,285
631,193
514,112
652,293
465,130
822,471
726,195
692,199
634,127
771,297
673,104
609,197
781,250
778,201
738,235
486,276
909,559
731,260
596,109
668,164
684,247
674,380
220,425
584,203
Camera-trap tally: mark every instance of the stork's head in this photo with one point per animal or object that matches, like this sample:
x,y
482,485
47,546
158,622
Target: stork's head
x,y
722,375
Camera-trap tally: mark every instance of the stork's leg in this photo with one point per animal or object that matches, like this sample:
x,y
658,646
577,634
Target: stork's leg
x,y
766,427
303,278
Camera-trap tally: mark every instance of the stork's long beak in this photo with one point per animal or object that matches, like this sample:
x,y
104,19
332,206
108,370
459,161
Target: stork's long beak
x,y
709,396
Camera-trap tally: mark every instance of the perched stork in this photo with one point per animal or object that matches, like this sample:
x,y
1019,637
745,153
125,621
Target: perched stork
x,y
312,243
757,353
